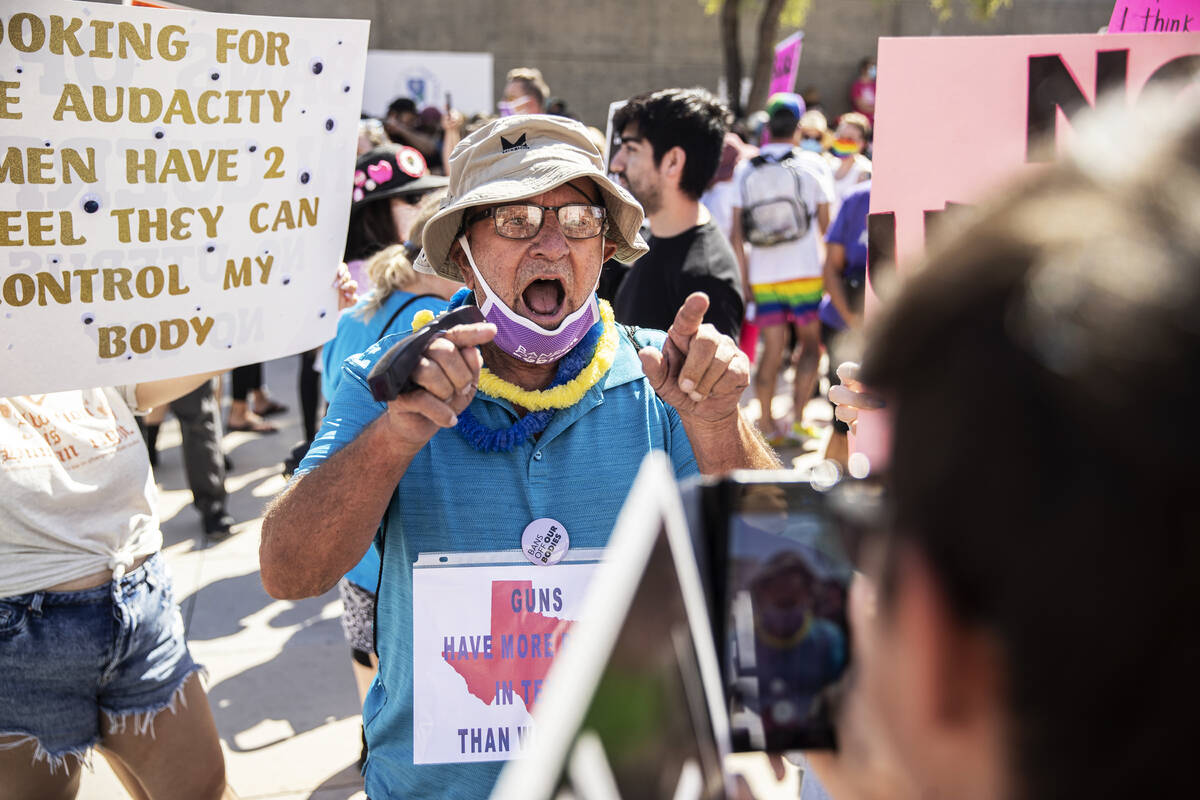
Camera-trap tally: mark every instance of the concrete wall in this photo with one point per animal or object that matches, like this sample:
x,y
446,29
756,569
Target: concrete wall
x,y
593,52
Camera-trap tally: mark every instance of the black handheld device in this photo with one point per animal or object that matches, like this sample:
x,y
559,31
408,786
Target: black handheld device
x,y
778,577
392,374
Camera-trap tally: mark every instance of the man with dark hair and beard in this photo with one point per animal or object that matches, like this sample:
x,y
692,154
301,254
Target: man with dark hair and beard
x,y
671,143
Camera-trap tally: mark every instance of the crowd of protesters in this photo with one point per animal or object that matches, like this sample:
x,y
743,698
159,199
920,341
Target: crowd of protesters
x,y
767,217
676,160
695,207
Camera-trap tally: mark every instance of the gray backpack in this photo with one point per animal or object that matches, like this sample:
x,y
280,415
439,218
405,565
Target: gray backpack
x,y
773,212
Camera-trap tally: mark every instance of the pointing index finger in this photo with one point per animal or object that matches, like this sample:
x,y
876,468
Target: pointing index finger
x,y
687,320
471,335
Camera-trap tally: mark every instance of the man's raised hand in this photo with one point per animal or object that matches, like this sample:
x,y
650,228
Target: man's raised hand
x,y
446,377
699,371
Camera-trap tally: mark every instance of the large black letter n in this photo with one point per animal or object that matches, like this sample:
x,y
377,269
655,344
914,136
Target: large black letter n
x,y
1051,87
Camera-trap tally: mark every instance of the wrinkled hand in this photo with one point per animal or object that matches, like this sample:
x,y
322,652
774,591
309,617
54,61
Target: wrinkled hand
x,y
347,287
699,371
851,396
447,377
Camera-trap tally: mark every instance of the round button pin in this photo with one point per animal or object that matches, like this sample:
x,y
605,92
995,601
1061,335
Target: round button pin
x,y
545,541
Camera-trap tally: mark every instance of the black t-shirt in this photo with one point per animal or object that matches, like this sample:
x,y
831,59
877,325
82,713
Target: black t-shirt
x,y
697,260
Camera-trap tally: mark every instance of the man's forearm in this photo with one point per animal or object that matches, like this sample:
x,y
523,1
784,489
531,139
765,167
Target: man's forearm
x,y
320,527
727,445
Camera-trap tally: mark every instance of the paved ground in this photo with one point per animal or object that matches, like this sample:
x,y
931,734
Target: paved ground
x,y
280,682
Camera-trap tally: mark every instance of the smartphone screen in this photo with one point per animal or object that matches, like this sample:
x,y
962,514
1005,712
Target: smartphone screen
x,y
781,578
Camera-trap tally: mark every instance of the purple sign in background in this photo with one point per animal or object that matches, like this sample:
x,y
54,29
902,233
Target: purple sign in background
x,y
1151,16
787,63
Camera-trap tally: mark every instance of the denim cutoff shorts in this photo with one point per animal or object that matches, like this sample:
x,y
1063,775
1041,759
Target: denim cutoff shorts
x,y
68,657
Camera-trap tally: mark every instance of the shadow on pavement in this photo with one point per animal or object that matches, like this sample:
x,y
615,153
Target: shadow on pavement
x,y
227,603
275,701
342,786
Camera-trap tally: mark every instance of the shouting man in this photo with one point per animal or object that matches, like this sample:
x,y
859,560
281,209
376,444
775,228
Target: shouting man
x,y
528,425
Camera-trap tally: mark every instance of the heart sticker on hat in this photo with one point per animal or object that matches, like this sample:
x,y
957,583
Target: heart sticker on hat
x,y
360,177
380,172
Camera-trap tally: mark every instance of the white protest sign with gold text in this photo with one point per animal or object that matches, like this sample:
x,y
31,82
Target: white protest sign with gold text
x,y
174,189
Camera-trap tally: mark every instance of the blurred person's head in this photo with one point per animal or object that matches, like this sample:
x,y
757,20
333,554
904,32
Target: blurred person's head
x,y
477,121
429,121
853,132
403,112
370,134
525,92
671,142
814,129
1033,637
389,183
558,107
866,68
782,594
812,97
733,151
784,110
391,269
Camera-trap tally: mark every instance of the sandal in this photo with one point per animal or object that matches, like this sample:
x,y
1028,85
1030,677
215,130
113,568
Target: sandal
x,y
252,426
271,409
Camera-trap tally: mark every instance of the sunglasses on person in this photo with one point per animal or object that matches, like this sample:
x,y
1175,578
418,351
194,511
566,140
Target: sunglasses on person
x,y
524,220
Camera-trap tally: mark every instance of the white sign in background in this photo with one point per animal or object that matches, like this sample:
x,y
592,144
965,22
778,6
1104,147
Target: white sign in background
x,y
480,652
428,77
202,226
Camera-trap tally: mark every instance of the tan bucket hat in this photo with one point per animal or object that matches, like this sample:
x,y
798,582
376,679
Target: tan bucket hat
x,y
523,156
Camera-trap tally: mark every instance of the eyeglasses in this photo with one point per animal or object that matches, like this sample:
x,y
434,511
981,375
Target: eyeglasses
x,y
524,220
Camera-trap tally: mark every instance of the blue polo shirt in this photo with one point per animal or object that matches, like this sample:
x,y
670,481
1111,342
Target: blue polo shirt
x,y
456,499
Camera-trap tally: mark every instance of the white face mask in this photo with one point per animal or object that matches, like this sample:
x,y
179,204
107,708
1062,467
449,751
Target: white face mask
x,y
523,338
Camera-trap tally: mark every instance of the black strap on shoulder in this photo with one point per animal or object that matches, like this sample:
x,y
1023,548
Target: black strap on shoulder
x,y
379,580
404,305
761,159
384,522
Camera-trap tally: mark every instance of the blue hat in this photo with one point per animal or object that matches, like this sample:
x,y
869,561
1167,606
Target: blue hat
x,y
785,101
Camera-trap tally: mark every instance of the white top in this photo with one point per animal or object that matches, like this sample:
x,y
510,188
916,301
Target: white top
x,y
860,169
78,495
801,258
720,201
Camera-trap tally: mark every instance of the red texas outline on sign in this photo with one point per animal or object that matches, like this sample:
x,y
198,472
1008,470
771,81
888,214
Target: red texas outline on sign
x,y
521,669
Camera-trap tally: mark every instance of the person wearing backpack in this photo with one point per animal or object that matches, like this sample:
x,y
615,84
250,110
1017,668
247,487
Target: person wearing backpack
x,y
784,195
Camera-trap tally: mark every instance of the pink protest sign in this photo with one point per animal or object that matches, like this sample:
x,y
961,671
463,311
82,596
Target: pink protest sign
x,y
945,134
1155,16
787,63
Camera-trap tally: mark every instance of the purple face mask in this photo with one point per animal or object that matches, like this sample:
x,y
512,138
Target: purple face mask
x,y
510,107
523,338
